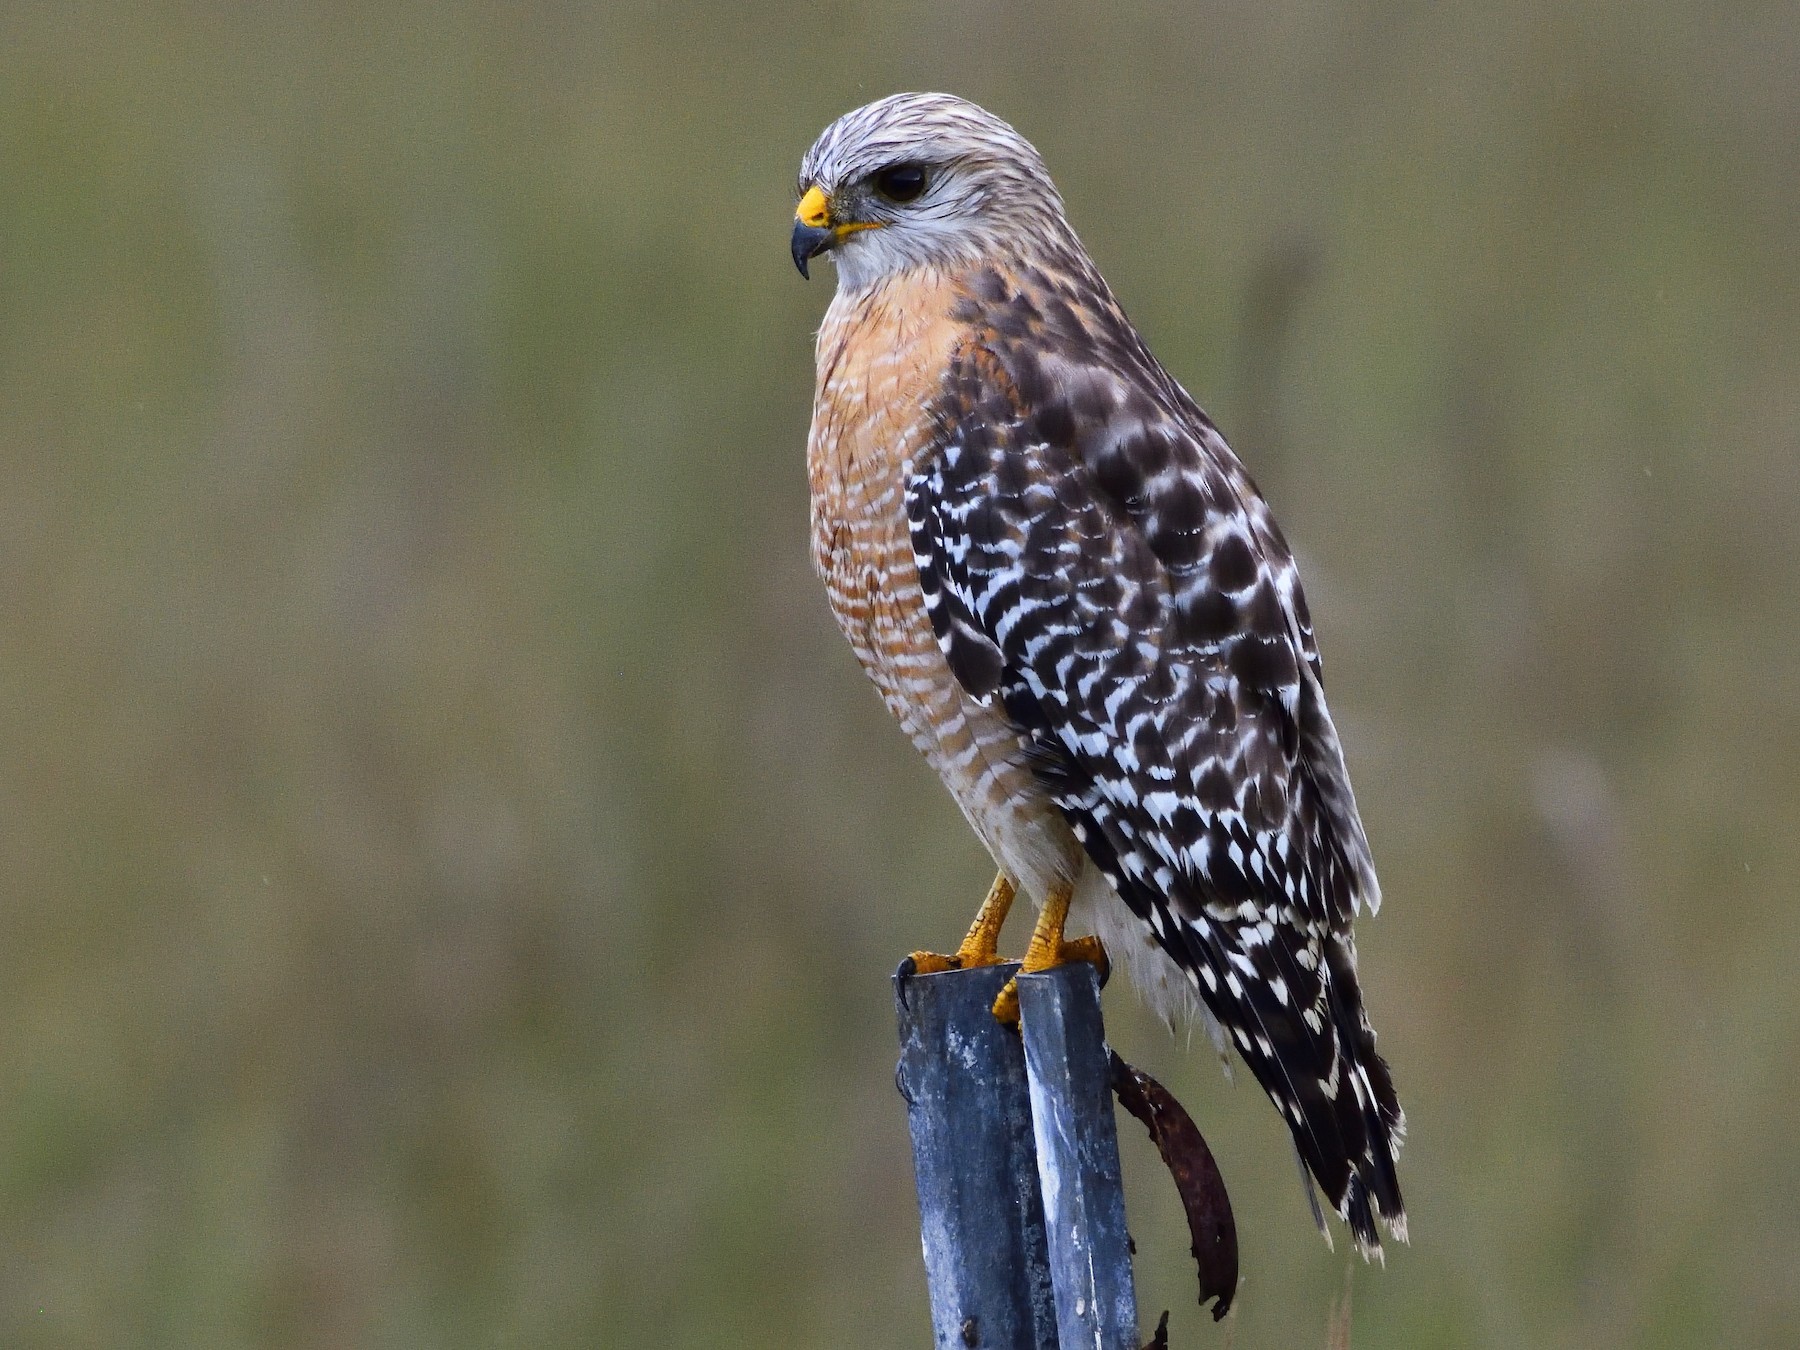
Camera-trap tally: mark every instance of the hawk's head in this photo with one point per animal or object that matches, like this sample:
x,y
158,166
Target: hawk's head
x,y
916,180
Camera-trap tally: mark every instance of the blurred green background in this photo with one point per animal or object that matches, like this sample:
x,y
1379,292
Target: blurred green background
x,y
452,866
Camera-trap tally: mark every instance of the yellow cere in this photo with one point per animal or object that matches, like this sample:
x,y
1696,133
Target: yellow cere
x,y
813,209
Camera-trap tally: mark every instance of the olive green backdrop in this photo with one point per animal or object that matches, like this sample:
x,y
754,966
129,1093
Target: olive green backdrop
x,y
451,865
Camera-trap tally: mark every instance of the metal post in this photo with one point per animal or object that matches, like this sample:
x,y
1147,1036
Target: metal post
x,y
963,1077
1078,1158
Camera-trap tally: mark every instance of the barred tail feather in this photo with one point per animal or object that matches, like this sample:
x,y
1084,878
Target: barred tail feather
x,y
1327,1081
1373,1190
1287,998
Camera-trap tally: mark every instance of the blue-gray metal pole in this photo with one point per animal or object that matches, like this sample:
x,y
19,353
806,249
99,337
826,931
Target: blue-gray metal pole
x,y
1078,1158
963,1076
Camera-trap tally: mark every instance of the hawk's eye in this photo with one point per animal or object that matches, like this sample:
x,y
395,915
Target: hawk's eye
x,y
900,182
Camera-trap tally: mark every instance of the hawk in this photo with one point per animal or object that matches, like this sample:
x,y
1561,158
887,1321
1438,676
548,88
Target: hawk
x,y
1070,594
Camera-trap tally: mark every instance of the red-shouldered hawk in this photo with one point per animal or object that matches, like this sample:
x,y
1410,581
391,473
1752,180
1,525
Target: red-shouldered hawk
x,y
1075,601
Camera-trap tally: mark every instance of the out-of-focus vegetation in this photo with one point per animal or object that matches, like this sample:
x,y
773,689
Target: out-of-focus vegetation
x,y
451,864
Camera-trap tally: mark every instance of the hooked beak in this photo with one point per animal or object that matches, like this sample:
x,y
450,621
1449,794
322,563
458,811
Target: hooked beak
x,y
809,242
812,228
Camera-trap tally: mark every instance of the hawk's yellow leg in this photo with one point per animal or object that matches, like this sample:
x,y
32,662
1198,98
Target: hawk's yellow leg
x,y
981,945
1048,949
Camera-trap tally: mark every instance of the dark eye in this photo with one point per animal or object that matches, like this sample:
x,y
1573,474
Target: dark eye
x,y
900,182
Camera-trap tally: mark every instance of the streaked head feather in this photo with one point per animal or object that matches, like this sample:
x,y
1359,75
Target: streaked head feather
x,y
987,190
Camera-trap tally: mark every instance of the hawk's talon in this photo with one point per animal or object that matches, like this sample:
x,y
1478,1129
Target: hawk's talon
x,y
1006,1004
1048,949
1089,949
1093,951
928,963
980,945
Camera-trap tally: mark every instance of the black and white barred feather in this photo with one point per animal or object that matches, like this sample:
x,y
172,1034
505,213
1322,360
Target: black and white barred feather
x,y
1096,562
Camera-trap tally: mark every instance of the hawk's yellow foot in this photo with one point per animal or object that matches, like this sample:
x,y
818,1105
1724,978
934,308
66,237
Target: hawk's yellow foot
x,y
981,944
1047,950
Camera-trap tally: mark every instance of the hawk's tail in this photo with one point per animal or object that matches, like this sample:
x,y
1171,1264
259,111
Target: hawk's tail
x,y
1287,996
1373,1189
1350,1125
1300,1027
